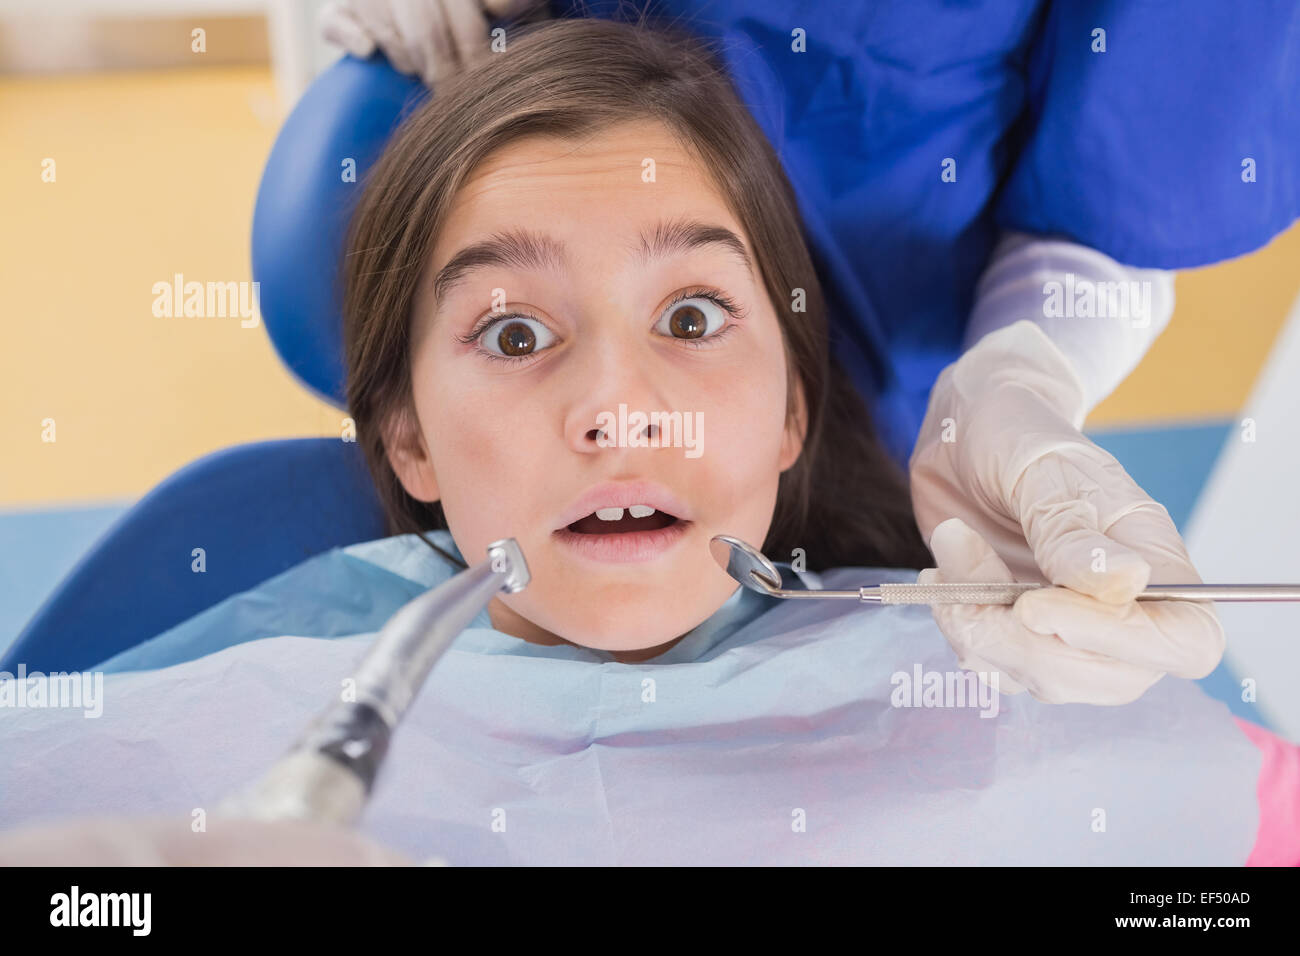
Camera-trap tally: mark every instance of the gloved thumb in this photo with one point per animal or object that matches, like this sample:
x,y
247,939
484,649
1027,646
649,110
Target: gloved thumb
x,y
339,26
962,555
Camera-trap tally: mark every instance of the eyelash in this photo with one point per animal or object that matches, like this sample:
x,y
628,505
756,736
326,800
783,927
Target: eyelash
x,y
724,302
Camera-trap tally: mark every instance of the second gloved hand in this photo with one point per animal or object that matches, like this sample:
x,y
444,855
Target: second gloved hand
x,y
433,39
1001,449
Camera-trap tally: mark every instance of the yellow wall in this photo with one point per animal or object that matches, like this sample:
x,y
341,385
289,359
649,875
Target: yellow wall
x,y
1205,362
156,174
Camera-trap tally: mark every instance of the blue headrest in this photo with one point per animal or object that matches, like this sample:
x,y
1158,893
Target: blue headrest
x,y
309,189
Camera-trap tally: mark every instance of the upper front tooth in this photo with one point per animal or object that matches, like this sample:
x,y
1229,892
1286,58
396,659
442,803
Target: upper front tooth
x,y
609,514
641,511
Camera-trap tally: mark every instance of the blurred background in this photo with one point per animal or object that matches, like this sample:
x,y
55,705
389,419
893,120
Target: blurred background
x,y
158,149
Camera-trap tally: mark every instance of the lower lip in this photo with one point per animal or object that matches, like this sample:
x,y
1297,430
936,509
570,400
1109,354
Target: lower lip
x,y
624,548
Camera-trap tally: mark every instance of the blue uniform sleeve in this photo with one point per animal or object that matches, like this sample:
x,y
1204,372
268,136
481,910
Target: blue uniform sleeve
x,y
1163,134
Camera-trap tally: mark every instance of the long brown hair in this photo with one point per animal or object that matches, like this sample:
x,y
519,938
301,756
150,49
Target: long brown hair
x,y
845,501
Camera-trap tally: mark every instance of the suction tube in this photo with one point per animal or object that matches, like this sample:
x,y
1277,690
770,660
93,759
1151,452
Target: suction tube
x,y
329,773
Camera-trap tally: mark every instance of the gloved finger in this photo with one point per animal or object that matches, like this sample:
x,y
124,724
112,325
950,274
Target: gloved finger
x,y
1193,627
171,841
952,623
990,639
1054,672
468,27
1049,668
964,556
338,26
1183,638
1148,530
437,33
376,18
1152,532
1066,502
504,9
421,26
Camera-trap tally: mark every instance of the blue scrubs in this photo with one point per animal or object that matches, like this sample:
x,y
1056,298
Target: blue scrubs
x,y
1168,141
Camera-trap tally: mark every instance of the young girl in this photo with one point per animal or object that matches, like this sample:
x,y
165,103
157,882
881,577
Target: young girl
x,y
587,231
595,222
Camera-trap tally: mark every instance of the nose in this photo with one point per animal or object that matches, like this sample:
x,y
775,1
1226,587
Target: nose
x,y
617,392
604,437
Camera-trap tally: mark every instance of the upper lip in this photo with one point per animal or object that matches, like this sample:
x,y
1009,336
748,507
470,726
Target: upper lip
x,y
623,494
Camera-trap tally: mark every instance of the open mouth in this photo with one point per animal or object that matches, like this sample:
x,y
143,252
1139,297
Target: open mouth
x,y
620,535
623,521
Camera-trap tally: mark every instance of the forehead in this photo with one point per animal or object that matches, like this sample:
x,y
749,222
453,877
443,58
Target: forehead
x,y
623,175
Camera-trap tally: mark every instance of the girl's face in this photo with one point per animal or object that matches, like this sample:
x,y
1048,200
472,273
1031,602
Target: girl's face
x,y
574,282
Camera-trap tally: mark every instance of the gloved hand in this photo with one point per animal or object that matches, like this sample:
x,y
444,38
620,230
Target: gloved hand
x,y
1001,449
434,39
169,841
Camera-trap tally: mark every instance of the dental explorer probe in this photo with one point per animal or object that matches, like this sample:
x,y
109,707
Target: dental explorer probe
x,y
751,568
328,774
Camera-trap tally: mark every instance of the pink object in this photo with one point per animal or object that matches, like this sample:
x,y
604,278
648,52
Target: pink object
x,y
1278,841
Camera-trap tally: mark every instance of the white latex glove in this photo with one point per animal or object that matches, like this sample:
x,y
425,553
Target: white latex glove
x,y
1001,449
169,841
433,39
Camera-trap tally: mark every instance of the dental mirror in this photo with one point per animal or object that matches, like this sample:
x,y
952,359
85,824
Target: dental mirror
x,y
747,565
751,568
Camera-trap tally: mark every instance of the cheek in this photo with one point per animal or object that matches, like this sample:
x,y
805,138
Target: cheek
x,y
480,440
466,425
744,421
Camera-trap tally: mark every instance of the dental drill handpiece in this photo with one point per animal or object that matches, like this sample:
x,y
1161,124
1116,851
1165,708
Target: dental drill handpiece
x,y
329,773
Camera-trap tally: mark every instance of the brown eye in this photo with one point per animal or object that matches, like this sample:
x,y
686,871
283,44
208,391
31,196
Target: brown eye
x,y
688,322
516,339
698,317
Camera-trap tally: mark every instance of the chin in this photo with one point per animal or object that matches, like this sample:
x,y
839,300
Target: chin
x,y
630,625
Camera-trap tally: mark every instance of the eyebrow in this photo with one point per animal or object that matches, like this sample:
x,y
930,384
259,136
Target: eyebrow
x,y
523,249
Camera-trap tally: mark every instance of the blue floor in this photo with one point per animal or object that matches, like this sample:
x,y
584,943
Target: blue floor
x,y
39,547
1170,463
